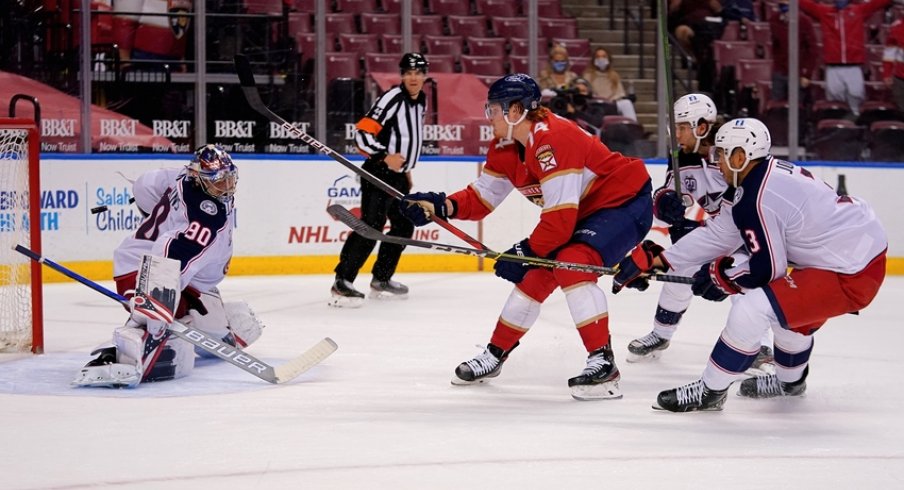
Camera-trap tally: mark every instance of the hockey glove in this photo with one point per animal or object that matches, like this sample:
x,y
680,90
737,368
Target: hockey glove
x,y
420,206
632,267
515,271
682,227
668,206
712,283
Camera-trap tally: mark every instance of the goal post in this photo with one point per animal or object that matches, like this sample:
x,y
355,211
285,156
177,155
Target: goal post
x,y
21,294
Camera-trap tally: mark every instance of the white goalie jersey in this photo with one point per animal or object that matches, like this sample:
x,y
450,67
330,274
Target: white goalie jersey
x,y
185,224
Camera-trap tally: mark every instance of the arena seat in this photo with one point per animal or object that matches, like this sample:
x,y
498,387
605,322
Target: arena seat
x,y
343,65
520,46
549,8
498,8
449,7
621,134
575,46
380,62
467,25
878,110
486,46
395,6
509,26
482,65
444,45
837,139
372,23
356,6
427,25
558,27
357,43
886,141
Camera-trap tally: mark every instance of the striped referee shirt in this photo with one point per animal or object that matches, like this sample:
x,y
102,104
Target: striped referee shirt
x,y
395,124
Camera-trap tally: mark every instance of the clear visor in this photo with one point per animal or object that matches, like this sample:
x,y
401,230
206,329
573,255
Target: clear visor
x,y
492,109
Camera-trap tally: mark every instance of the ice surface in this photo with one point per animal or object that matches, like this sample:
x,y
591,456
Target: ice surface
x,y
381,413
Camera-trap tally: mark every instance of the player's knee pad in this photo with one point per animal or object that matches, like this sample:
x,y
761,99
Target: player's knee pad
x,y
750,316
520,310
538,284
246,328
579,253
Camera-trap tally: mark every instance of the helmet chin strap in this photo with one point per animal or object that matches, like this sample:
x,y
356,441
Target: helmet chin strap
x,y
736,171
701,138
511,125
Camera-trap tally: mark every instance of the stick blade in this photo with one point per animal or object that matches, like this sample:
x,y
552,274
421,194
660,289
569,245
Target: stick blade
x,y
345,216
310,358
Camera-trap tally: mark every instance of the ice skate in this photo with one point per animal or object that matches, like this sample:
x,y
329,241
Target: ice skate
x,y
487,365
599,380
769,386
764,364
692,397
344,295
646,348
105,372
388,290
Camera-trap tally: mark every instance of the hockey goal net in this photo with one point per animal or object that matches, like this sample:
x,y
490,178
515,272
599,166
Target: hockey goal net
x,y
21,323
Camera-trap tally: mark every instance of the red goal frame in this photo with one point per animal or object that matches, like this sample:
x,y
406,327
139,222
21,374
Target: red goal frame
x,y
34,216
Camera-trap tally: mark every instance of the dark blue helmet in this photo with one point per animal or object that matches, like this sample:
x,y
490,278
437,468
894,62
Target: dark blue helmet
x,y
516,87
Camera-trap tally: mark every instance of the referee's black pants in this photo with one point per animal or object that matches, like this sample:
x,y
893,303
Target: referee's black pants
x,y
376,206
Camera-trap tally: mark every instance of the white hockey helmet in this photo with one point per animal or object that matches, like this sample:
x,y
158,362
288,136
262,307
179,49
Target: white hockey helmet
x,y
691,109
747,133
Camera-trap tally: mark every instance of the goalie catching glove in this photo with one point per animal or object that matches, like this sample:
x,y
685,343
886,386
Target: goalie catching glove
x,y
419,207
712,283
632,268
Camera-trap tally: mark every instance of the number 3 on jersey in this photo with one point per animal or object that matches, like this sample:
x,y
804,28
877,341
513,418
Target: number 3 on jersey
x,y
752,242
198,233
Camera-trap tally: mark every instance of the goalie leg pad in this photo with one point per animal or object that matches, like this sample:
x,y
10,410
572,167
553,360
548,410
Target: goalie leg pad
x,y
113,375
134,346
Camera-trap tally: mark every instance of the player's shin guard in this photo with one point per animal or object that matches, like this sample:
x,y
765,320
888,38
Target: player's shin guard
x,y
651,345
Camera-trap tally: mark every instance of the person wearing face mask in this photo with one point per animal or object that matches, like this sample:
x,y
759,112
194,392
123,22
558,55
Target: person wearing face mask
x,y
806,42
607,84
557,75
844,46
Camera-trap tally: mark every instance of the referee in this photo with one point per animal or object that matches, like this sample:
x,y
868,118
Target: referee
x,y
390,137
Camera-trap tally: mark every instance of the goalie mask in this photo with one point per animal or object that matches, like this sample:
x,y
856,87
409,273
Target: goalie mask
x,y
693,108
748,134
214,171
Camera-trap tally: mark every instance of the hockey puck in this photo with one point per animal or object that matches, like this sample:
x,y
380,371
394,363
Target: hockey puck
x,y
99,209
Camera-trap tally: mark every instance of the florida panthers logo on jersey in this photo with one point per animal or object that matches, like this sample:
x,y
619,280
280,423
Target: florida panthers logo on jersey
x,y
546,157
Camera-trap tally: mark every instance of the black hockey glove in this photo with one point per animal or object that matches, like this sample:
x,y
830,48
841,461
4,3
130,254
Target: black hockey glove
x,y
667,205
632,267
420,213
682,227
515,271
712,283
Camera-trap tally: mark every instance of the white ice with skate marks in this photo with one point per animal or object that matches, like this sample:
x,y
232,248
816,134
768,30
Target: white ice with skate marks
x,y
382,410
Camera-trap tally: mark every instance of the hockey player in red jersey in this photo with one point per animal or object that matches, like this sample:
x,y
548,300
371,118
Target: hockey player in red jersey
x,y
596,204
191,216
783,217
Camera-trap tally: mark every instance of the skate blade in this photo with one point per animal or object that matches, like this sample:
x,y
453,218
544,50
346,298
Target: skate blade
x,y
460,382
652,356
660,409
386,296
602,391
345,302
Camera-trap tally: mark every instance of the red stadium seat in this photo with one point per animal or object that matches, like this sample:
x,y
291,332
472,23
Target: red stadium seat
x,y
338,23
878,91
486,46
449,7
555,27
309,6
548,8
830,109
482,65
751,71
886,141
498,8
272,7
299,22
579,63
467,25
837,139
441,63
306,43
729,53
392,43
520,47
343,65
576,47
759,32
518,64
444,45
775,117
381,63
427,25
381,24
395,6
878,110
357,43
730,32
621,133
509,26
356,6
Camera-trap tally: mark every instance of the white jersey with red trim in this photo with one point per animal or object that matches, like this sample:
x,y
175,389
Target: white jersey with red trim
x,y
184,224
784,217
149,187
700,179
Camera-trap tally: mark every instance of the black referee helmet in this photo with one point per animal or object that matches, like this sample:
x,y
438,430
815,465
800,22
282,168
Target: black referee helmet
x,y
413,61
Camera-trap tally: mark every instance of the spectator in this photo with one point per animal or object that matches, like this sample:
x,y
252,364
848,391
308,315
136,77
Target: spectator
x,y
691,23
844,39
807,51
557,74
607,84
152,37
739,10
893,59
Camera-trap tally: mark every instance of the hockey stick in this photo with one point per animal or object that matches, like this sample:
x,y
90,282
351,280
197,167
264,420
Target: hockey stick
x,y
361,228
246,78
279,374
673,142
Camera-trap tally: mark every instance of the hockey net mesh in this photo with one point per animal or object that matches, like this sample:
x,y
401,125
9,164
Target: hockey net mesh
x,y
15,276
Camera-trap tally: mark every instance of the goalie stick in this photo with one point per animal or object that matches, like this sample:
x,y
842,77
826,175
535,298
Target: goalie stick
x,y
272,374
246,78
361,228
